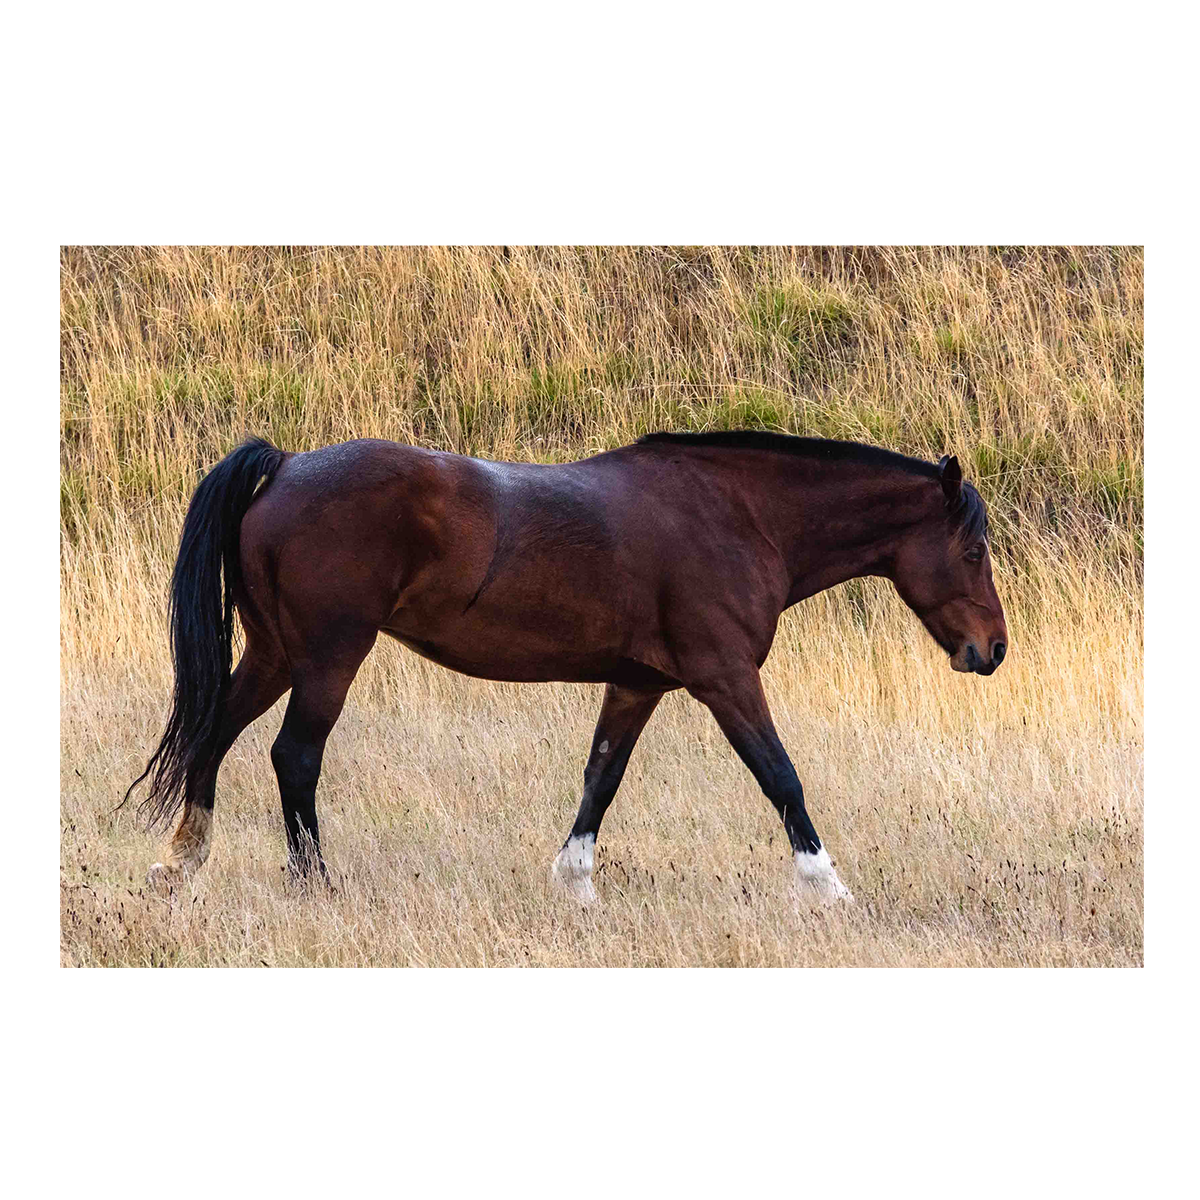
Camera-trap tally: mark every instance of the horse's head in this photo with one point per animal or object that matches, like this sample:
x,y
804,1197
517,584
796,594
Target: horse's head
x,y
943,572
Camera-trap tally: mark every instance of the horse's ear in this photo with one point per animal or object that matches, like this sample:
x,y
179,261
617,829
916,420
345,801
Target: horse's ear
x,y
950,473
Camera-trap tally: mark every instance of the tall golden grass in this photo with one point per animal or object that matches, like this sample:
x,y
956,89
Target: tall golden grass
x,y
978,821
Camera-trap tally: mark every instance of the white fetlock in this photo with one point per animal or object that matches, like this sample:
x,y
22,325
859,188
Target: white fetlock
x,y
187,853
572,869
165,878
817,880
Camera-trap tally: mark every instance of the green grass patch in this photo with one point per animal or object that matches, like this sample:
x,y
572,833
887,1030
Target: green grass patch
x,y
1117,491
803,324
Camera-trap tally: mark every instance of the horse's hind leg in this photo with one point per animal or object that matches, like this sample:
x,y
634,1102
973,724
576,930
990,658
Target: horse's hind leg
x,y
623,716
738,703
255,685
319,690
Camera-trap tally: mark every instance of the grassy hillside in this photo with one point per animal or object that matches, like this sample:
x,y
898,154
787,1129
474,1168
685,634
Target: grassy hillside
x,y
976,820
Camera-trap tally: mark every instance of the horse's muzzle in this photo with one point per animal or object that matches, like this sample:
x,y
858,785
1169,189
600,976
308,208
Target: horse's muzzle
x,y
980,665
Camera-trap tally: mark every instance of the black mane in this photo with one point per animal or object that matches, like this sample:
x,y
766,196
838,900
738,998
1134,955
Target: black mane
x,y
968,512
755,439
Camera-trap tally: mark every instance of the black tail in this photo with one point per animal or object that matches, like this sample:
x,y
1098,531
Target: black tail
x,y
201,614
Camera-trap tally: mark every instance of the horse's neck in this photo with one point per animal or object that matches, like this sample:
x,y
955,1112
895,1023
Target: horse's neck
x,y
842,525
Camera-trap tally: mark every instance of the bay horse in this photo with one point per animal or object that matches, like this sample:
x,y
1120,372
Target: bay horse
x,y
661,565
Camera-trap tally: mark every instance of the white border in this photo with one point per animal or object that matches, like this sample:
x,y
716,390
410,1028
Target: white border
x,y
344,125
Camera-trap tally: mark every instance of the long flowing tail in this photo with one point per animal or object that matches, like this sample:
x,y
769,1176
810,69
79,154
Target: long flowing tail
x,y
201,616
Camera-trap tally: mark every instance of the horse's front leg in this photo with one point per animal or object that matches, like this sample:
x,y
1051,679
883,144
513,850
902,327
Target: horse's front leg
x,y
736,700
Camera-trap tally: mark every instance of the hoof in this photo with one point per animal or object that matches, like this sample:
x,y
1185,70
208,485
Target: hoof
x,y
816,880
572,870
314,880
186,854
164,879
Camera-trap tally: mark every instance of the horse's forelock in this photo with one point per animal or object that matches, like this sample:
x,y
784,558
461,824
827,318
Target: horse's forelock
x,y
969,516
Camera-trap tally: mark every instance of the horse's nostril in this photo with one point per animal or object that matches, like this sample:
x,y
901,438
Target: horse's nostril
x,y
973,659
998,652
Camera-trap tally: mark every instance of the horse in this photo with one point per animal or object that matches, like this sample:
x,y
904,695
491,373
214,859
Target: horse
x,y
660,565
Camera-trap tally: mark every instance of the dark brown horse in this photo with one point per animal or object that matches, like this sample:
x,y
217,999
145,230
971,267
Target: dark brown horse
x,y
661,565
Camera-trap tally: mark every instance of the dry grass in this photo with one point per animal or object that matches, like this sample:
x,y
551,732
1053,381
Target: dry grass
x,y
979,822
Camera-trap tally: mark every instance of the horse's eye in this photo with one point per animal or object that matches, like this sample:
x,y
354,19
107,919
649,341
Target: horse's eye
x,y
975,554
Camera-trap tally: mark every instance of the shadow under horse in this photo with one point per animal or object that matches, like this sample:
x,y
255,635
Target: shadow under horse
x,y
661,565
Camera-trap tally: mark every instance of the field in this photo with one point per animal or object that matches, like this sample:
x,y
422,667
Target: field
x,y
979,822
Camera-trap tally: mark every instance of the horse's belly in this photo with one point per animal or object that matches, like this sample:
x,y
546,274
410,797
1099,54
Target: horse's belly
x,y
523,652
